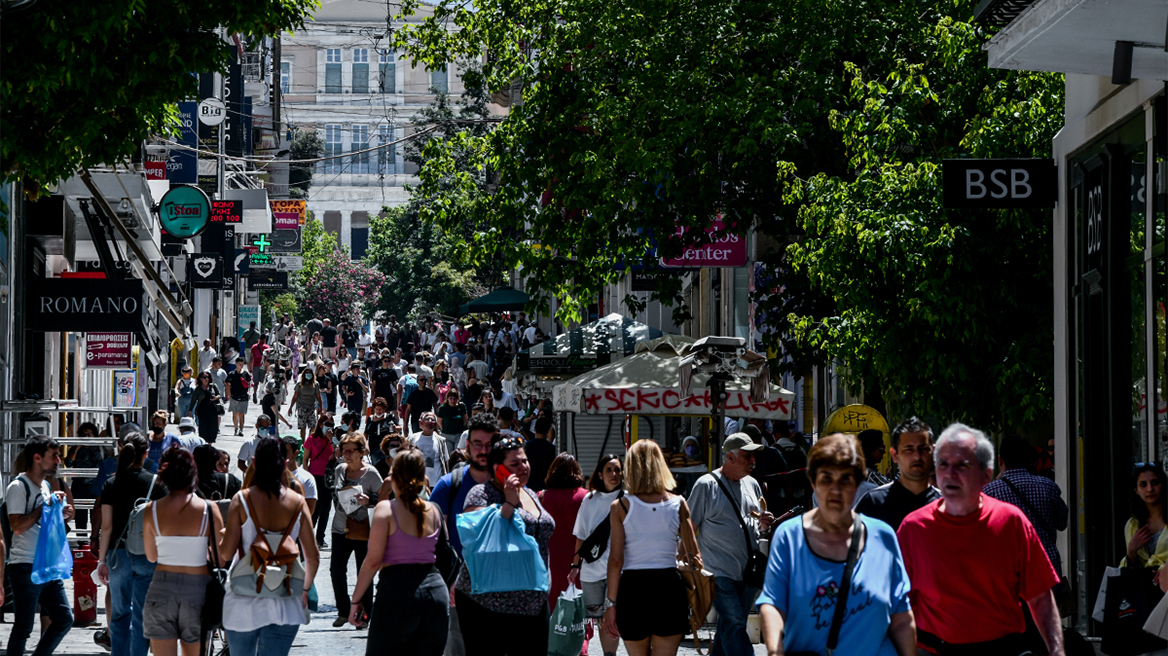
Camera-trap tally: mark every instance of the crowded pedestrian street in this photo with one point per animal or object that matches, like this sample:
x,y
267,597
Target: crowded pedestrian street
x,y
554,328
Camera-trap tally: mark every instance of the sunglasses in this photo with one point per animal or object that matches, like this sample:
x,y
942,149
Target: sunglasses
x,y
1150,463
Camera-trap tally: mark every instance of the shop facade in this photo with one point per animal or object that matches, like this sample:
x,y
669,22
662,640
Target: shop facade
x,y
1110,278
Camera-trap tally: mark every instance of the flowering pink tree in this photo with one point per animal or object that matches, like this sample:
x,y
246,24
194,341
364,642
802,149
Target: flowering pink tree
x,y
331,285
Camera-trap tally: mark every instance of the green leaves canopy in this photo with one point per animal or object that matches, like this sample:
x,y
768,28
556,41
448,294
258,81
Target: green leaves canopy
x,y
85,82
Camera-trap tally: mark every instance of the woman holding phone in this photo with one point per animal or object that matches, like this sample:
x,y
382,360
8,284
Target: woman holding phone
x,y
506,623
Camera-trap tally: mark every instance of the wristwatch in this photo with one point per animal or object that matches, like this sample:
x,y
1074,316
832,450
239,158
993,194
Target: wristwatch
x,y
608,603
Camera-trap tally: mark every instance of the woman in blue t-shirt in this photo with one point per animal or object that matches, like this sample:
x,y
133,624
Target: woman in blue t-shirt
x,y
806,567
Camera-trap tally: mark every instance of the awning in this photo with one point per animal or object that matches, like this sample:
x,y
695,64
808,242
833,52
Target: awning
x,y
646,383
1079,36
500,300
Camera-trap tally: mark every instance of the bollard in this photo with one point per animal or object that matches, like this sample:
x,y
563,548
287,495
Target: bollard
x,y
84,589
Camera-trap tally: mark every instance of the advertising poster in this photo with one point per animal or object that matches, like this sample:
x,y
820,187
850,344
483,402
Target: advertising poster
x,y
125,388
108,350
248,314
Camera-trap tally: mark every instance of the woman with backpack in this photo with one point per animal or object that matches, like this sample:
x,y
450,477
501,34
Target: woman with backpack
x,y
177,539
263,512
412,610
122,563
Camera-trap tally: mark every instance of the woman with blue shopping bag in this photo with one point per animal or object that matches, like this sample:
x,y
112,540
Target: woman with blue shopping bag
x,y
501,592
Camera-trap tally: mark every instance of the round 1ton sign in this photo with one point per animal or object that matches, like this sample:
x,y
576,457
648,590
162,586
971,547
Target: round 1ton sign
x,y
184,211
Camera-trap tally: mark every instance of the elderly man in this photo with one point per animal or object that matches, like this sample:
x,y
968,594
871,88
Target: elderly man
x,y
723,505
912,449
973,560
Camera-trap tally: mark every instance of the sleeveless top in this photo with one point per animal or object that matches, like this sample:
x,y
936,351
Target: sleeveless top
x,y
251,613
651,533
182,550
401,548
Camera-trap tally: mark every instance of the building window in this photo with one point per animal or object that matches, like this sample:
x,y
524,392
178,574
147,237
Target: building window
x,y
386,157
359,141
285,76
439,81
332,70
386,72
333,146
361,70
359,240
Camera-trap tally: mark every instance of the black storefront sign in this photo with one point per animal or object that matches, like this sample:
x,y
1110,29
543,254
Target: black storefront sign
x,y
206,270
999,183
226,211
84,305
267,280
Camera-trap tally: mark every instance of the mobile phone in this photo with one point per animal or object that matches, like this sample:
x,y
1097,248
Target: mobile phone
x,y
502,473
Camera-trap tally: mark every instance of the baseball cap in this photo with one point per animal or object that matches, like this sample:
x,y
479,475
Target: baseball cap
x,y
739,441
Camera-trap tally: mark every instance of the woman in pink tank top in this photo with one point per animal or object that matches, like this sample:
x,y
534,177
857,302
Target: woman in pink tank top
x,y
411,612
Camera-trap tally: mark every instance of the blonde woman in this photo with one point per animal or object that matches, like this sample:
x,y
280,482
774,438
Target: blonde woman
x,y
647,603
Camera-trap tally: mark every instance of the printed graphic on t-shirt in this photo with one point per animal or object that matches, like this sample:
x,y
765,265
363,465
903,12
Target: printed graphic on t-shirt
x,y
826,596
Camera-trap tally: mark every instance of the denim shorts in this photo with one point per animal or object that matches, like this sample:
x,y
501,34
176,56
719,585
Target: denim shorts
x,y
174,607
594,592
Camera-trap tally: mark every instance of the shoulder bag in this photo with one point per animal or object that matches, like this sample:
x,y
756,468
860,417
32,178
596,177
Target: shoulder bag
x,y
756,561
699,591
841,602
212,617
446,559
592,548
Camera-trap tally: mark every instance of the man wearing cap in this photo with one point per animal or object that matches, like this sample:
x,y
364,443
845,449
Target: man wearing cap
x,y
719,504
188,436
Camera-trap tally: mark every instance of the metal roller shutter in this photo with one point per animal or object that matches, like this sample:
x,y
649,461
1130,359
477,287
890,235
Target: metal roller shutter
x,y
587,439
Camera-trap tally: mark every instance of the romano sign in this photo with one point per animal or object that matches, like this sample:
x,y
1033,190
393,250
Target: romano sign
x,y
84,305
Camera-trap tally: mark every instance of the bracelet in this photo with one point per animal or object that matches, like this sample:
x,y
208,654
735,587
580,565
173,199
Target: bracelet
x,y
576,565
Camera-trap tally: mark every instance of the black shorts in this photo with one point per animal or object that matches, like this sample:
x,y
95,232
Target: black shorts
x,y
651,602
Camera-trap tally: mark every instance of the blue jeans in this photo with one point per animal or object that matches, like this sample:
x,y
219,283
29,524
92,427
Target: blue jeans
x,y
182,406
25,596
130,578
733,601
270,640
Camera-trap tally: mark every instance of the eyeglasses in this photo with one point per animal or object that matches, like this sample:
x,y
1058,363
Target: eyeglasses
x,y
349,452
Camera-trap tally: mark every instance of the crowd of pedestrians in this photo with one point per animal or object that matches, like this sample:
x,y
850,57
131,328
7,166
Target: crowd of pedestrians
x,y
394,472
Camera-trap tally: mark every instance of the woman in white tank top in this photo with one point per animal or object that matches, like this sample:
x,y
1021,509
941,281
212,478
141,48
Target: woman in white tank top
x,y
647,603
176,534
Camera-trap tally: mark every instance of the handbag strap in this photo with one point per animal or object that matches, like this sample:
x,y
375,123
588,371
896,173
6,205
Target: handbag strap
x,y
211,535
845,586
750,548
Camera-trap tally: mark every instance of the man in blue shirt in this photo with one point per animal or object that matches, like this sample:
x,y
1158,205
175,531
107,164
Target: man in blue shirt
x,y
451,498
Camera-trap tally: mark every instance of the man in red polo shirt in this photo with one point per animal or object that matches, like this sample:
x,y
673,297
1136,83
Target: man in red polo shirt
x,y
973,561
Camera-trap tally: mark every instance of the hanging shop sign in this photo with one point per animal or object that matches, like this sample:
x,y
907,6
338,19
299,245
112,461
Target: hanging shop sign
x,y
289,262
286,241
999,183
726,250
286,220
108,350
212,111
184,211
268,280
245,316
297,207
226,211
83,305
242,263
206,270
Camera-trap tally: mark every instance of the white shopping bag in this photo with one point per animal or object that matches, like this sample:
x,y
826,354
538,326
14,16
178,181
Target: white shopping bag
x,y
1157,623
1101,598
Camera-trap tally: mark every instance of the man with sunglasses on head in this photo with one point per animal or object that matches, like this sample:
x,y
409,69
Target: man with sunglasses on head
x,y
450,496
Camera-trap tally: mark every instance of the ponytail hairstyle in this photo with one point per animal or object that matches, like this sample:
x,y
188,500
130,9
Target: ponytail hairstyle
x,y
134,449
409,474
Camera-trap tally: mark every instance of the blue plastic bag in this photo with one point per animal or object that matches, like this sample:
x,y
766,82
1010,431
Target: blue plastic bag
x,y
53,560
499,555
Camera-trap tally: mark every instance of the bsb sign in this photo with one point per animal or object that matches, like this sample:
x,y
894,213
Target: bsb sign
x,y
84,305
999,183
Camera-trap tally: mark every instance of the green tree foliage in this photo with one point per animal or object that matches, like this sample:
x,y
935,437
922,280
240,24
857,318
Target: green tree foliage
x,y
949,311
306,144
431,266
85,82
331,284
820,124
279,302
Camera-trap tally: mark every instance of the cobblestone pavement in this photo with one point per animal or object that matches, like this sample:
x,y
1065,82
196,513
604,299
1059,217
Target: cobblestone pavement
x,y
319,636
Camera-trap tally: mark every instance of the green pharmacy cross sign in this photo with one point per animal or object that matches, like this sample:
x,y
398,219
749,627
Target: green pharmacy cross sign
x,y
184,211
262,242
